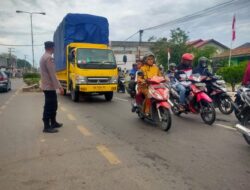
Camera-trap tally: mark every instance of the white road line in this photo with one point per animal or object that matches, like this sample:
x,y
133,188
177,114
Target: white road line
x,y
121,99
225,126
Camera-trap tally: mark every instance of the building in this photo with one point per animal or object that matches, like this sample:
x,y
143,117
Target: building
x,y
3,62
220,48
238,55
131,49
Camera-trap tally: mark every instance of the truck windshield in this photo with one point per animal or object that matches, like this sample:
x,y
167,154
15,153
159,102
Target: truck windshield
x,y
95,58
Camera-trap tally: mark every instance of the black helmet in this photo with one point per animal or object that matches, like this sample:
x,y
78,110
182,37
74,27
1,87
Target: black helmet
x,y
172,66
203,62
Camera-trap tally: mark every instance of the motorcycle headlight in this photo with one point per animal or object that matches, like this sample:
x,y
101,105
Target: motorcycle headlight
x,y
114,79
81,79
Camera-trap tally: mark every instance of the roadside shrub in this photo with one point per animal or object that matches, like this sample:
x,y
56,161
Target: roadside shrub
x,y
31,75
232,75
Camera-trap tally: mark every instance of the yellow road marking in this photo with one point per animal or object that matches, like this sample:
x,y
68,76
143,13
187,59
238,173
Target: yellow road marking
x,y
3,107
71,117
84,131
108,155
63,108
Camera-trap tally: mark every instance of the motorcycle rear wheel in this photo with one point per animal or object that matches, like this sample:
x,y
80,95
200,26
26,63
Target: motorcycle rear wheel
x,y
208,114
246,123
166,122
225,105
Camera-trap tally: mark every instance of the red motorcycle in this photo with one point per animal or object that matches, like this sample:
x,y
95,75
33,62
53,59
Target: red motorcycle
x,y
158,93
197,101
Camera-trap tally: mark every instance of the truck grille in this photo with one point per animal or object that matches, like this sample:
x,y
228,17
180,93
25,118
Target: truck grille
x,y
98,80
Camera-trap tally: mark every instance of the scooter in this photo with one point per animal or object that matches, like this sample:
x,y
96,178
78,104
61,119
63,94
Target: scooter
x,y
160,103
245,131
131,87
242,102
197,100
216,89
121,84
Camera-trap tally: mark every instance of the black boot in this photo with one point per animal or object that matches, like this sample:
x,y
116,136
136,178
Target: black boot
x,y
54,123
48,128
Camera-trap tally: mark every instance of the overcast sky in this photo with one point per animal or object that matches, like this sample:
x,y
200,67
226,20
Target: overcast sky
x,y
125,18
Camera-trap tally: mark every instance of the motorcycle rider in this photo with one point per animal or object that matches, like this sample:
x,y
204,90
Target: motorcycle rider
x,y
185,67
202,67
149,69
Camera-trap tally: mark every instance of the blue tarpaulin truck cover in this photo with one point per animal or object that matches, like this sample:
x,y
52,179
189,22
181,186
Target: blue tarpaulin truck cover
x,y
78,28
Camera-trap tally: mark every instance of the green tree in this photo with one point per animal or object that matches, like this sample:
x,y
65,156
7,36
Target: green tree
x,y
176,44
21,63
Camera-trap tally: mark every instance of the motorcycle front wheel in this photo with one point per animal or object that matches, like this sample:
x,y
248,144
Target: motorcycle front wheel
x,y
225,105
246,123
208,114
166,122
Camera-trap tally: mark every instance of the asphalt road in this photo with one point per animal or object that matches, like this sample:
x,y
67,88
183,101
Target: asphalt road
x,y
104,146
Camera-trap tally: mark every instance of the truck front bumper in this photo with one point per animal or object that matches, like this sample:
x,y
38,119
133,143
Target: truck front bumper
x,y
97,88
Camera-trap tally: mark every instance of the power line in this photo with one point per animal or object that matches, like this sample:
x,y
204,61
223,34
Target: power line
x,y
131,36
199,14
19,45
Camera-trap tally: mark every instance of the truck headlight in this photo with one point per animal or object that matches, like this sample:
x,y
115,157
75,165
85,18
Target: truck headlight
x,y
81,79
114,79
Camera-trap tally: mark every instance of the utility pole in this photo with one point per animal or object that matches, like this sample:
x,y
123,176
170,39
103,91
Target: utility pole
x,y
140,40
25,69
10,64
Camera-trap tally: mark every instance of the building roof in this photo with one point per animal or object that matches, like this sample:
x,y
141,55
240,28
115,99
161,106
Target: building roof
x,y
130,44
237,52
200,43
245,45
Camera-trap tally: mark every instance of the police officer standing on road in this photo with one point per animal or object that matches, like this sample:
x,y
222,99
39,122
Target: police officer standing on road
x,y
49,84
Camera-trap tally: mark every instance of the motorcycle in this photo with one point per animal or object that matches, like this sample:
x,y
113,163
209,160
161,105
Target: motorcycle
x,y
131,87
242,102
197,100
160,103
218,93
245,131
242,109
121,85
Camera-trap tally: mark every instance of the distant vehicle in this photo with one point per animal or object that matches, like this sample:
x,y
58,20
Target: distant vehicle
x,y
5,83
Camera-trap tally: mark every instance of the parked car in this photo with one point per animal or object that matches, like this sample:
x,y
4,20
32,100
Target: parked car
x,y
5,83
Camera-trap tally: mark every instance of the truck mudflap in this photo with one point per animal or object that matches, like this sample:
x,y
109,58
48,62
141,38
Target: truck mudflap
x,y
98,88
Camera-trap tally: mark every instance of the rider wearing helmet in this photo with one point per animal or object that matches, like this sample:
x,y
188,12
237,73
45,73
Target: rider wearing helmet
x,y
185,67
149,69
202,67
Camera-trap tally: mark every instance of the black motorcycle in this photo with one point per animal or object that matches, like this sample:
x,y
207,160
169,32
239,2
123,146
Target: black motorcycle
x,y
121,84
242,112
131,86
216,89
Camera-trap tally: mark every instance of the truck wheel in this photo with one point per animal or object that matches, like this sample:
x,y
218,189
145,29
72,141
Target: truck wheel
x,y
108,96
74,95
